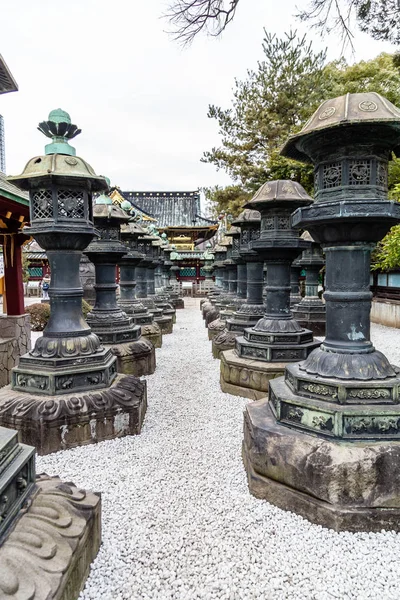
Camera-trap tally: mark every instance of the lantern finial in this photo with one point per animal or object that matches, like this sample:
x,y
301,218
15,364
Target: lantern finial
x,y
60,129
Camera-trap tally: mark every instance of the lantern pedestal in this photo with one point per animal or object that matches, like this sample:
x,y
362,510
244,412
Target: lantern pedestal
x,y
246,377
52,423
344,486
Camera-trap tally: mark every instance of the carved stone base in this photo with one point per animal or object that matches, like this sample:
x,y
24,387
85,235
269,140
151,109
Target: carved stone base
x,y
216,327
247,378
47,554
165,324
341,485
210,315
226,340
152,332
178,303
52,423
135,358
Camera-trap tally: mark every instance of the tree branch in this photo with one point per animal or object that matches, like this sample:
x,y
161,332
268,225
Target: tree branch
x,y
190,17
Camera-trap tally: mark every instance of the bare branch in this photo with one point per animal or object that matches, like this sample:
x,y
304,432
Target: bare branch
x,y
379,18
190,17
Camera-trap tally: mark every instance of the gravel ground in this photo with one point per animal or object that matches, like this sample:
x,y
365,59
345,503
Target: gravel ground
x,y
178,521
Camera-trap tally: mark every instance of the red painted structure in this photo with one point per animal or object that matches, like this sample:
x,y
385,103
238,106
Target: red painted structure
x,y
14,214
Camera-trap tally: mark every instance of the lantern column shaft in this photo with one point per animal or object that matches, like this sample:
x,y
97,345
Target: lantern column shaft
x,y
278,291
348,298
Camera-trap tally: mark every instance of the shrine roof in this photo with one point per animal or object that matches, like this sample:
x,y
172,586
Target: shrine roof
x,y
170,209
12,192
7,81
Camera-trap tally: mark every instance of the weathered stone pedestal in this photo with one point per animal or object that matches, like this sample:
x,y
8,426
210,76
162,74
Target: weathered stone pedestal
x,y
58,422
247,378
63,392
54,538
327,443
342,485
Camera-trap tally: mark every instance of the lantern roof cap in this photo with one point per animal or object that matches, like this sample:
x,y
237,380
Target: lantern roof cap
x,y
247,216
219,248
132,228
233,231
350,109
105,209
278,192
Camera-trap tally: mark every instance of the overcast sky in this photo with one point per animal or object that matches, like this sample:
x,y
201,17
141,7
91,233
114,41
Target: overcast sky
x,y
140,99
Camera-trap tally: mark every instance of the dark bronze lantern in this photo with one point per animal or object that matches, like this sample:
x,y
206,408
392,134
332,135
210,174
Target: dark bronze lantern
x,y
331,428
63,391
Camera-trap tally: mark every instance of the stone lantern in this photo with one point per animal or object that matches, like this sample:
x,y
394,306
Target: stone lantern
x,y
130,232
208,268
250,282
295,271
327,443
135,356
160,297
277,338
145,282
174,269
65,392
311,311
226,303
210,310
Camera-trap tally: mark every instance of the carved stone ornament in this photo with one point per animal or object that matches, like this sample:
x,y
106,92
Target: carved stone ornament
x,y
57,535
68,420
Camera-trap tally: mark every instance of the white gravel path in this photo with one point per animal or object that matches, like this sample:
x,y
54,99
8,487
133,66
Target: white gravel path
x,y
178,521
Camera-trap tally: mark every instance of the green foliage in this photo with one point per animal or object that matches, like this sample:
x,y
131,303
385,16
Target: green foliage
x,y
229,199
272,102
275,101
25,266
86,308
40,314
387,253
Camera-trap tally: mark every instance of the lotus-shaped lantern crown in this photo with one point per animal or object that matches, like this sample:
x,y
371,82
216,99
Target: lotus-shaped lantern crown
x,y
60,129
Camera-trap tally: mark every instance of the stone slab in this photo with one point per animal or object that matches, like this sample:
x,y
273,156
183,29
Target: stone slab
x,y
246,377
346,486
52,423
135,358
48,552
